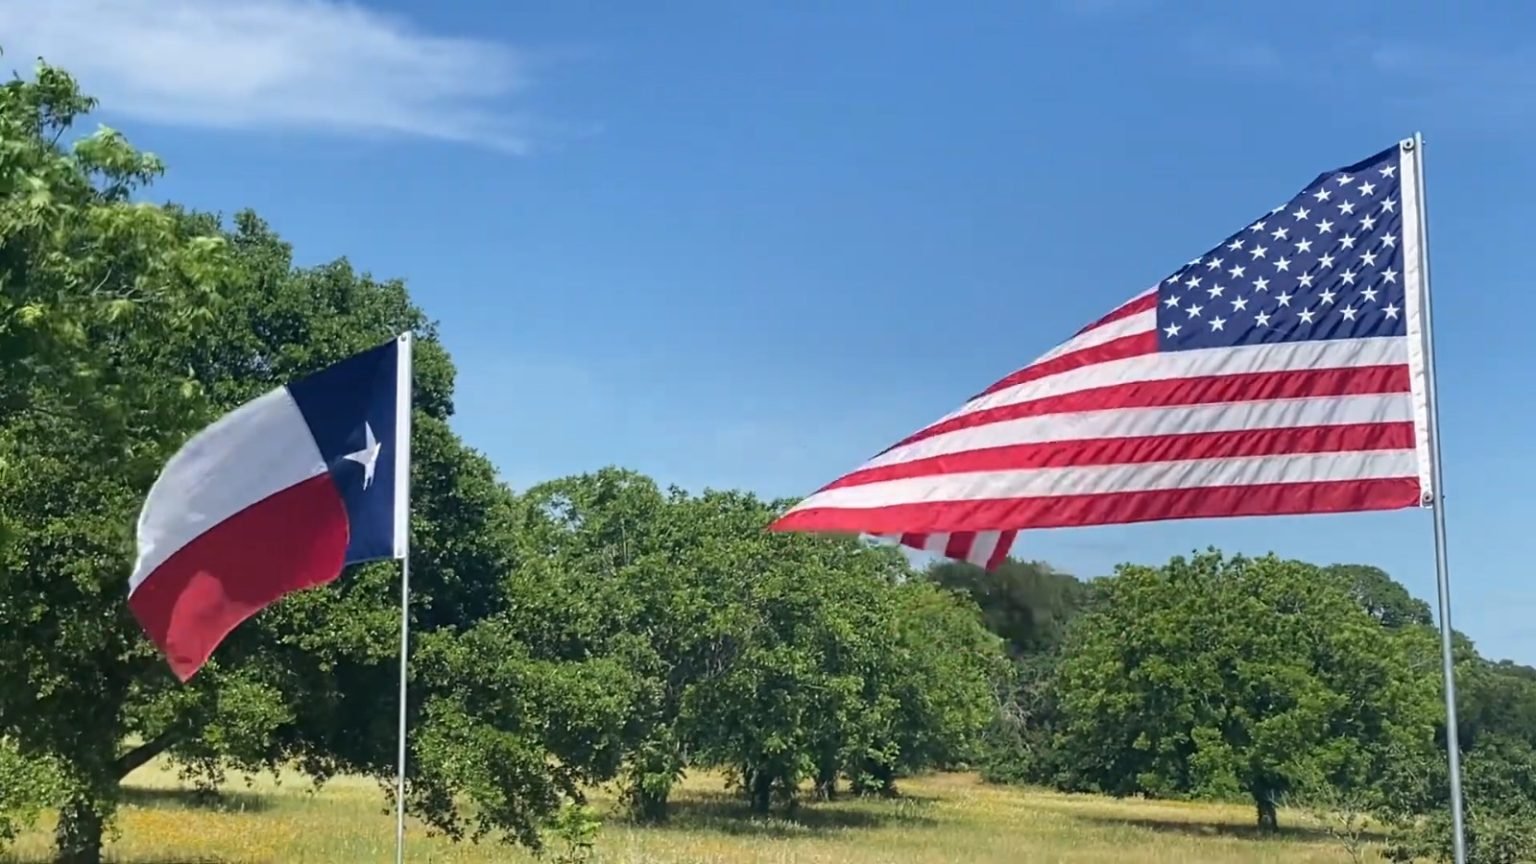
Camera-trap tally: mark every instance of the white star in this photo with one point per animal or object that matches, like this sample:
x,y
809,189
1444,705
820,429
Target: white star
x,y
1348,313
1345,179
367,456
1215,290
1284,297
1389,205
1239,304
1321,194
1389,275
1172,280
1346,207
1258,251
1326,260
1348,276
1274,210
1213,264
1369,294
1237,271
1172,302
1300,214
1391,310
1257,226
1194,310
1235,244
1193,262
1171,329
1280,233
1218,322
1261,319
1389,170
1367,188
1325,226
1328,295
1305,280
1282,264
1303,245
1367,222
1193,281
1261,284
1347,241
1389,240
1306,316
1369,258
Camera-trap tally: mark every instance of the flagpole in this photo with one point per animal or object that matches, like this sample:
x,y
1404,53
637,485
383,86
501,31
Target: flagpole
x,y
403,396
1442,568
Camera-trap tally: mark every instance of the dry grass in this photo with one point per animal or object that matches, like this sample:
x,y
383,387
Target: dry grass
x,y
948,818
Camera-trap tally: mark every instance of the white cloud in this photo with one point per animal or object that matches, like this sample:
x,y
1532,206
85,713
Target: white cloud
x,y
290,64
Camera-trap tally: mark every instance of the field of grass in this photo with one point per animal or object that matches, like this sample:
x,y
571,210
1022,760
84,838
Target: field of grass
x,y
945,818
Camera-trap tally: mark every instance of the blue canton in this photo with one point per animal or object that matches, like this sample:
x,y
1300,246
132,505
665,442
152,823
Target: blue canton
x,y
1325,265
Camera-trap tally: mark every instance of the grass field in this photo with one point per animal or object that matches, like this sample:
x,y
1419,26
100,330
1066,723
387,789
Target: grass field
x,y
947,818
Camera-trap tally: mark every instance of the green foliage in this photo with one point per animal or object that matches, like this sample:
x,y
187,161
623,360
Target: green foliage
x,y
1221,677
575,826
26,787
1027,603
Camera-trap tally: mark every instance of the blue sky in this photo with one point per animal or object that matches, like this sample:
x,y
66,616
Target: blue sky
x,y
748,245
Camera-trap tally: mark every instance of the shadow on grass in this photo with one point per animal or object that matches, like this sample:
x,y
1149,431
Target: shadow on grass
x,y
1224,829
724,813
224,801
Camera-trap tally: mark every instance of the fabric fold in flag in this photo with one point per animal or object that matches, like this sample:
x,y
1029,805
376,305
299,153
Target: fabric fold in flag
x,y
1279,372
276,496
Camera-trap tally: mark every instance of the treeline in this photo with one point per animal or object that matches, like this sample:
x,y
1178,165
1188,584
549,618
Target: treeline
x,y
596,629
1279,682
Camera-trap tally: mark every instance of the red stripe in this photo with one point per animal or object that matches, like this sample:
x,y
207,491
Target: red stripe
x,y
292,540
1140,304
1060,511
1000,551
1246,387
1133,345
959,545
1150,448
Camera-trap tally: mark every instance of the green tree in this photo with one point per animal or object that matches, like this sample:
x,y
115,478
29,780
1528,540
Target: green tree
x,y
1028,603
183,320
1220,677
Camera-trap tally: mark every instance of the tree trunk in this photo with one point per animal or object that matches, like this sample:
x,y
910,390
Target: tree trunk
x,y
885,779
1269,820
139,756
761,791
826,782
650,808
78,835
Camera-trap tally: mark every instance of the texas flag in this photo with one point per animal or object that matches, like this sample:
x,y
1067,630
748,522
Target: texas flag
x,y
276,496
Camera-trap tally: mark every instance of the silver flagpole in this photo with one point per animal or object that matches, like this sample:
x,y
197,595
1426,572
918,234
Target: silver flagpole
x,y
1442,569
403,393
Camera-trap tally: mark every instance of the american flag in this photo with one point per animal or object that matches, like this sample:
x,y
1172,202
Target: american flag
x,y
1280,372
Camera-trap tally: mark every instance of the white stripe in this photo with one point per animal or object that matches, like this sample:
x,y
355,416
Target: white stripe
x,y
1413,287
403,447
1277,357
244,457
982,547
1100,479
1139,422
1141,322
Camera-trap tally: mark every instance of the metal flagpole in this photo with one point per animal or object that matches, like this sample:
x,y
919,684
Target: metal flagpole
x,y
1442,571
403,539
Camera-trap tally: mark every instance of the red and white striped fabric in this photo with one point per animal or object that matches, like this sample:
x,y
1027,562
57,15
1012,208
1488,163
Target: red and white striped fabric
x,y
1280,373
